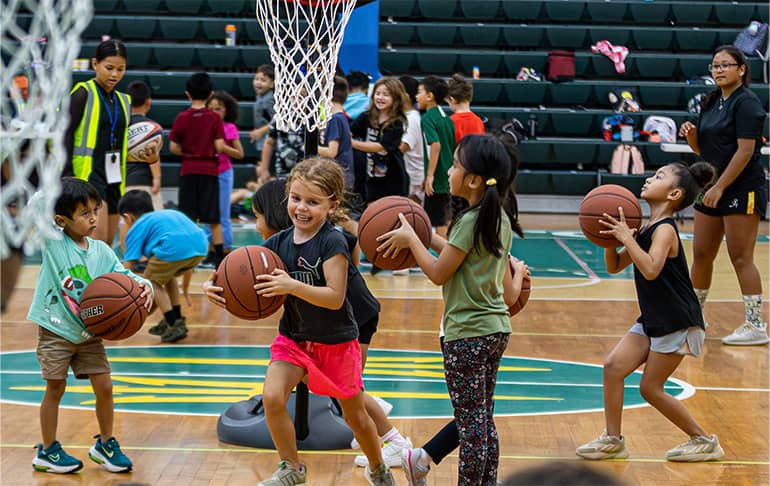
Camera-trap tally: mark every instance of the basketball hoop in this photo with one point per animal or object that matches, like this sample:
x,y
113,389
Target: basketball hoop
x,y
304,38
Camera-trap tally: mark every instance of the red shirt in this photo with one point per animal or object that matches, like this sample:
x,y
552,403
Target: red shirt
x,y
196,130
467,123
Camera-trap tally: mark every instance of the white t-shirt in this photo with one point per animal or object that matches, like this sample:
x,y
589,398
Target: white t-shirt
x,y
413,158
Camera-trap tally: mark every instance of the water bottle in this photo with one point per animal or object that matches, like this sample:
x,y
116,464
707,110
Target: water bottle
x,y
532,124
476,72
230,30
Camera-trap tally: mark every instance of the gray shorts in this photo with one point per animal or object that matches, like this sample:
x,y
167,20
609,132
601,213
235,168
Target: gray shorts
x,y
55,355
685,341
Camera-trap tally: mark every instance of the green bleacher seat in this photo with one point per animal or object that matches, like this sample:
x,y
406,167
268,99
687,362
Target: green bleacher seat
x,y
735,13
397,33
654,157
213,29
396,60
515,60
182,28
246,118
535,152
435,61
763,13
219,56
487,61
184,7
562,11
653,38
520,36
243,88
582,63
691,13
174,55
437,9
480,35
693,65
437,34
575,124
532,181
666,95
150,6
166,83
649,12
632,182
165,111
617,35
727,36
763,92
487,91
98,27
397,8
249,30
132,27
696,39
254,56
567,36
522,10
233,7
525,92
569,94
654,66
572,182
480,9
606,12
105,5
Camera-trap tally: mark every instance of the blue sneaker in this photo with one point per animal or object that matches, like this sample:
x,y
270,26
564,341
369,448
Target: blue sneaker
x,y
109,455
55,460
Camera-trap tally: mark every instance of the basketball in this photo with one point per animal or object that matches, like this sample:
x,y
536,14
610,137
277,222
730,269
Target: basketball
x,y
145,140
381,217
237,276
111,307
607,199
526,287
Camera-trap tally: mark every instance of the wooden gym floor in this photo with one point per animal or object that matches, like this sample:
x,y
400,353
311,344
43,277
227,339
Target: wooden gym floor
x,y
548,403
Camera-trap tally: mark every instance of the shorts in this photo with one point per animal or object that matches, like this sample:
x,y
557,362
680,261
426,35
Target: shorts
x,y
56,355
157,199
333,370
416,193
110,193
367,329
737,201
161,272
437,207
199,197
685,341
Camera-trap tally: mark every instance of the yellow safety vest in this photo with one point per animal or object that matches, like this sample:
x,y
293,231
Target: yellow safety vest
x,y
85,135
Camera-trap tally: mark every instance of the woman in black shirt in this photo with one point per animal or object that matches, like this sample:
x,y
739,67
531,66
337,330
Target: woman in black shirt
x,y
728,135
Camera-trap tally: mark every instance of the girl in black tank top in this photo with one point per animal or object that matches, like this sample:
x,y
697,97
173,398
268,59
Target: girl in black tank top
x,y
668,307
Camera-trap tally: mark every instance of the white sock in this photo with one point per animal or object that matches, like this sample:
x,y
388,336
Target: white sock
x,y
753,308
701,294
391,435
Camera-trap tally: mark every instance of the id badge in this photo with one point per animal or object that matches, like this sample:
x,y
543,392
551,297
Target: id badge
x,y
112,167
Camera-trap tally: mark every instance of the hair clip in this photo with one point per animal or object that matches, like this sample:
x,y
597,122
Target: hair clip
x,y
491,181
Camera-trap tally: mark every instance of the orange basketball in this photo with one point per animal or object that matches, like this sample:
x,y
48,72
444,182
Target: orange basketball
x,y
381,217
607,199
111,306
237,275
526,287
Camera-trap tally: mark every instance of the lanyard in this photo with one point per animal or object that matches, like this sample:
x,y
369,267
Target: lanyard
x,y
113,117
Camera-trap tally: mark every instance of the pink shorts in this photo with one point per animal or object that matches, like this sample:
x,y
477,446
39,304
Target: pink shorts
x,y
333,370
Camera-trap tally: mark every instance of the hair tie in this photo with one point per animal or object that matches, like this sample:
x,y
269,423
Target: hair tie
x,y
491,181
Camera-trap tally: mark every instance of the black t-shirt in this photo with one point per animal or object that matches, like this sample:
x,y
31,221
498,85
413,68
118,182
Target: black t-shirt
x,y
365,305
668,302
740,116
302,321
385,172
77,109
138,173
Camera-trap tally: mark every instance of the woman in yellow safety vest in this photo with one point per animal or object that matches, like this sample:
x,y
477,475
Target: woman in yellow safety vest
x,y
97,135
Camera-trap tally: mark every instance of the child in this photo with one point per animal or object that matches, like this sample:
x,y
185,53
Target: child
x,y
69,264
357,101
198,136
281,152
670,325
378,133
269,205
336,136
471,267
143,174
317,333
264,106
173,245
411,142
224,105
439,135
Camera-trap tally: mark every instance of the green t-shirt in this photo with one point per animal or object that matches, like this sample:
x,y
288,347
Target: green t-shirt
x,y
438,127
473,296
64,274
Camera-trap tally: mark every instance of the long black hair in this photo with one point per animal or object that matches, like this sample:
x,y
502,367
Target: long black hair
x,y
110,47
738,57
692,180
488,157
270,202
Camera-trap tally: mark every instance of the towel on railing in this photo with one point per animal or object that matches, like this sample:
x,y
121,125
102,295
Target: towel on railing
x,y
616,54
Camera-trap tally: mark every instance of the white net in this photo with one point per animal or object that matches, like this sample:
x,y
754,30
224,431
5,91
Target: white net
x,y
39,40
304,38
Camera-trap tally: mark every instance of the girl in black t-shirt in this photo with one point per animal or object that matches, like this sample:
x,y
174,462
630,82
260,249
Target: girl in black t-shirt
x,y
670,325
729,136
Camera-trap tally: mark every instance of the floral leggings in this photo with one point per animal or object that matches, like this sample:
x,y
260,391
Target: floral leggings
x,y
471,367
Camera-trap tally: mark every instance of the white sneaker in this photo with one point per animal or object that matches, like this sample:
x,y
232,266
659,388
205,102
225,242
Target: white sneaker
x,y
391,453
697,449
404,271
605,447
747,335
386,407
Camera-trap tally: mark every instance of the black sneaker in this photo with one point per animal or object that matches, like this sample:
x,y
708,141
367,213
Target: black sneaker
x,y
175,332
160,328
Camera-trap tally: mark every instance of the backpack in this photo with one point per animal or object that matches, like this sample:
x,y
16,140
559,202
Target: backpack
x,y
664,126
625,156
624,99
694,104
611,126
752,40
509,132
561,66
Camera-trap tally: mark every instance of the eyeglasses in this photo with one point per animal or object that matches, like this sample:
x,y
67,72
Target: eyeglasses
x,y
721,67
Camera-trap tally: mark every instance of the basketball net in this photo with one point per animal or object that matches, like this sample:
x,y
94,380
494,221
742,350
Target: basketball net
x,y
304,38
40,39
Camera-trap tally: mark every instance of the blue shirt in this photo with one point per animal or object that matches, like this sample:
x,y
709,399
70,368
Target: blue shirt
x,y
167,235
355,104
338,128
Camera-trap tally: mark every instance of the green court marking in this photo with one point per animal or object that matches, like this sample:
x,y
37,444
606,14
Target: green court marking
x,y
205,380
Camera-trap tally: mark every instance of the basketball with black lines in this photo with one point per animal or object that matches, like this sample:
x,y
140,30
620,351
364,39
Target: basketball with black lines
x,y
112,306
607,199
380,217
237,275
526,290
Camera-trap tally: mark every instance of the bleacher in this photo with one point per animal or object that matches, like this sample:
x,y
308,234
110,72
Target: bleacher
x,y
670,42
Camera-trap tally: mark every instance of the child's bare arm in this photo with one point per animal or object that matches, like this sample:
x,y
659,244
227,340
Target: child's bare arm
x,y
435,149
234,149
331,151
219,145
175,148
332,296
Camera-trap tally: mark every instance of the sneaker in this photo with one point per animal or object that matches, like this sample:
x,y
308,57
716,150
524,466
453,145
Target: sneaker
x,y
175,332
55,460
697,449
391,453
380,476
109,455
160,328
404,271
416,475
747,335
386,407
286,475
605,447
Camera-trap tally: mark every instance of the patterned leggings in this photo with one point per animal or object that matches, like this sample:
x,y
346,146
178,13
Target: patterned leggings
x,y
471,367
